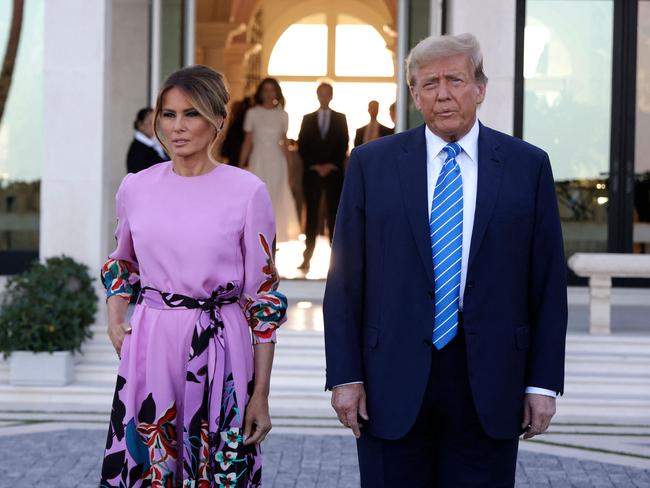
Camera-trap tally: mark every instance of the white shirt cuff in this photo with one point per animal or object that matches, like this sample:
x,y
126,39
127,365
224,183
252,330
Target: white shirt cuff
x,y
541,391
351,383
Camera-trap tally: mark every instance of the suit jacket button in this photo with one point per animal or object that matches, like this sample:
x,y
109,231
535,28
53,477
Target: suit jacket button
x,y
432,294
470,284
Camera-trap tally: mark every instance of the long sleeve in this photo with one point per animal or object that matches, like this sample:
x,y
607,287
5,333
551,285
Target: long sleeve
x,y
304,143
120,271
341,150
548,293
265,308
344,292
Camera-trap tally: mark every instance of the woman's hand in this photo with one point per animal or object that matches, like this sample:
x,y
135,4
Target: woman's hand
x,y
257,422
116,333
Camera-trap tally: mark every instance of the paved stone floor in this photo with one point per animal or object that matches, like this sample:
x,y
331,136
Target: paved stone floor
x,y
71,458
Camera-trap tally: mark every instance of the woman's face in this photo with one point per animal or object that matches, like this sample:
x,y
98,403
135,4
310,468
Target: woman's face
x,y
187,132
269,95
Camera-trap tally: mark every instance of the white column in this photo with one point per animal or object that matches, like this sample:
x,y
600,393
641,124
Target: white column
x,y
493,23
95,79
156,12
76,45
128,92
402,46
435,17
190,32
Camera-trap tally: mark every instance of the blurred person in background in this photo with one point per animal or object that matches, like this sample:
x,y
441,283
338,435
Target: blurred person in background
x,y
373,130
232,142
265,153
323,145
144,151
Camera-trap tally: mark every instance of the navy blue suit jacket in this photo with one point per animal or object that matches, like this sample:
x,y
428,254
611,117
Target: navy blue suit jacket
x,y
379,299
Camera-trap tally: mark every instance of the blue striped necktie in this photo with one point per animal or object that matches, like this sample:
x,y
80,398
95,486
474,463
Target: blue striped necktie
x,y
446,225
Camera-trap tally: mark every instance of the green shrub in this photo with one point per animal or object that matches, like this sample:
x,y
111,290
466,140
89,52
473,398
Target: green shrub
x,y
49,307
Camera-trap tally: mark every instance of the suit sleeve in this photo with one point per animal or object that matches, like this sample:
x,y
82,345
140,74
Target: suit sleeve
x,y
548,290
344,292
358,138
303,143
342,144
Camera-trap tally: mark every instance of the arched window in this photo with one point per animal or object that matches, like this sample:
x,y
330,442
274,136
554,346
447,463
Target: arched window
x,y
347,51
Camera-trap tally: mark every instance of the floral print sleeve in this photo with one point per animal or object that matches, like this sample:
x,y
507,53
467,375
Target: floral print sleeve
x,y
265,307
120,271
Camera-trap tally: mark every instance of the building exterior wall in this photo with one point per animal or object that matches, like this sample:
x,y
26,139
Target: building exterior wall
x,y
95,79
493,22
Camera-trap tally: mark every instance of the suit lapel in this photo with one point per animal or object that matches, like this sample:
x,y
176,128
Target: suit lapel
x,y
490,168
412,167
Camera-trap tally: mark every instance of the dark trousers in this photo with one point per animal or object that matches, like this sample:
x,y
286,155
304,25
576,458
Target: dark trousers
x,y
446,448
314,186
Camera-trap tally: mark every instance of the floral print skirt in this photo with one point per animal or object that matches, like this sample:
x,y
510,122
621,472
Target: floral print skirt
x,y
177,415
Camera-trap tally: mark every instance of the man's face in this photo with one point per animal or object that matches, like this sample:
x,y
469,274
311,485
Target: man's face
x,y
447,95
373,109
324,94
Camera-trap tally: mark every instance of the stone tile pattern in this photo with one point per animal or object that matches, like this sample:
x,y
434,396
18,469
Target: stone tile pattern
x,y
71,458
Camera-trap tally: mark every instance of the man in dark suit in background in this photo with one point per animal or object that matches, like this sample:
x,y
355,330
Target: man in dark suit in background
x,y
373,130
446,301
145,150
323,145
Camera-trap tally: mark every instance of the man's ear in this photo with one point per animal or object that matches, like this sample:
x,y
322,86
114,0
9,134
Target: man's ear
x,y
415,96
480,93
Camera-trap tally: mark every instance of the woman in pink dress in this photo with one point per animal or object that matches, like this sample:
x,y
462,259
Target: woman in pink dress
x,y
191,402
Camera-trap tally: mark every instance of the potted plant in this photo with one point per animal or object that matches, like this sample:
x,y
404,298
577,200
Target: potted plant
x,y
45,315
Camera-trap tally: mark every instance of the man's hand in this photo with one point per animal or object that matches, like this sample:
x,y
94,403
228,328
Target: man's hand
x,y
324,169
349,402
538,411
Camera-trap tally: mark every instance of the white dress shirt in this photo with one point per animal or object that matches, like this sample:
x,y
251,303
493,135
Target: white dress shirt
x,y
152,143
468,162
324,116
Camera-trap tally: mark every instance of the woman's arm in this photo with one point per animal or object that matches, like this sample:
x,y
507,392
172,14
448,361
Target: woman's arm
x,y
246,148
258,422
264,307
118,327
284,142
119,272
263,353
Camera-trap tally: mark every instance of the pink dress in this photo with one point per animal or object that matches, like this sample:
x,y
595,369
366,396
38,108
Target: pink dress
x,y
201,248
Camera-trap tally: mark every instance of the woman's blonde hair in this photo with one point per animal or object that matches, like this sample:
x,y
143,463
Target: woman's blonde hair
x,y
206,91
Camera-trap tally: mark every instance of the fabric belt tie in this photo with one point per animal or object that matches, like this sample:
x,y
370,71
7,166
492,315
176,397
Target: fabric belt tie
x,y
207,351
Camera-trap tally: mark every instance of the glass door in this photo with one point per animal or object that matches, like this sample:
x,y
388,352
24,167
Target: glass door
x,y
567,97
641,202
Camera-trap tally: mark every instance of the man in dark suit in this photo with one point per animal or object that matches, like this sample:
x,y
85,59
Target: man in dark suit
x,y
323,146
144,151
445,306
373,130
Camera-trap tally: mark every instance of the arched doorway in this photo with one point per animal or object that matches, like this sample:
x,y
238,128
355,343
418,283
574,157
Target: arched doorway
x,y
348,51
